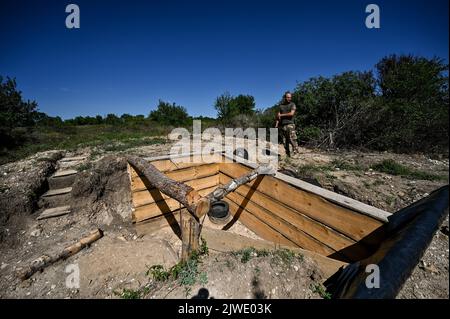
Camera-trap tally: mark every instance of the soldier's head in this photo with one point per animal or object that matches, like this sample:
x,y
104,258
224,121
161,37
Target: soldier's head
x,y
287,97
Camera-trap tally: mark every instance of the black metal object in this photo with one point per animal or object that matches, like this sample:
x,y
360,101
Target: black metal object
x,y
219,212
406,237
241,152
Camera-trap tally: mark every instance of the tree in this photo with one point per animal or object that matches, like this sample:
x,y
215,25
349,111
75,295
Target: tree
x,y
14,111
229,108
169,114
112,119
414,102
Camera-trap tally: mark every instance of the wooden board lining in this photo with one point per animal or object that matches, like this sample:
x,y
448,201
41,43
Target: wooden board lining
x,y
140,183
161,207
345,221
287,230
258,227
168,166
148,196
321,232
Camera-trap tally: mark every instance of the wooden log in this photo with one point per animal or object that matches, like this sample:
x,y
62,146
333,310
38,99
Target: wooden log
x,y
46,260
181,192
190,234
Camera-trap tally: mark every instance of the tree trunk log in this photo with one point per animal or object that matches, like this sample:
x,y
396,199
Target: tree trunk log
x,y
46,260
190,234
181,192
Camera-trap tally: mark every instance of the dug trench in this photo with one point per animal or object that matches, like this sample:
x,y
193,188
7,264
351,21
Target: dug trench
x,y
119,262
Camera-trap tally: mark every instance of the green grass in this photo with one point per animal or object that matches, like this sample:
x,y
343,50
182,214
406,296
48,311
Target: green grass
x,y
106,137
391,167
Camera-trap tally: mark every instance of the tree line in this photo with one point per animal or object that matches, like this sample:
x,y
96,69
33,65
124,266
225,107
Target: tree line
x,y
401,105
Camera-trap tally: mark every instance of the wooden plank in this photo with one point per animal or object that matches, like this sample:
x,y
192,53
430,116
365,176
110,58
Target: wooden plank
x,y
62,173
257,226
224,241
72,159
313,228
168,166
149,196
287,230
59,191
161,207
151,225
54,212
339,199
347,222
183,175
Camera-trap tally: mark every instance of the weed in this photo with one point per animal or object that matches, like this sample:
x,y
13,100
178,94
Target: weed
x,y
158,273
320,289
129,294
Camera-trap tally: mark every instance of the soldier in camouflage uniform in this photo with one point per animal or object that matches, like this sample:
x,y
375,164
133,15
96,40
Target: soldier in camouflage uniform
x,y
285,120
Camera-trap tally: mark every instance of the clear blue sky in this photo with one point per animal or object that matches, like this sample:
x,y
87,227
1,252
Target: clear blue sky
x,y
129,54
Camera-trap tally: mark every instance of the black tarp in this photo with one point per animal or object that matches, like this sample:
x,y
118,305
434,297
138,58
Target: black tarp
x,y
407,235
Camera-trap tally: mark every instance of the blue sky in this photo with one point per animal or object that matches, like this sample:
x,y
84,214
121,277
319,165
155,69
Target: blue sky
x,y
129,54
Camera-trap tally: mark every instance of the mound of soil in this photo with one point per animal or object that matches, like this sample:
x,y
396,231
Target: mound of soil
x,y
103,192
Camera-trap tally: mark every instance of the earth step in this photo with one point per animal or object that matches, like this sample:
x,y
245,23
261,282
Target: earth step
x,y
72,159
54,212
59,191
63,173
62,179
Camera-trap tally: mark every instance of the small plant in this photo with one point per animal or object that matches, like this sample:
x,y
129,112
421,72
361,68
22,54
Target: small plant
x,y
246,254
320,289
158,273
128,294
203,278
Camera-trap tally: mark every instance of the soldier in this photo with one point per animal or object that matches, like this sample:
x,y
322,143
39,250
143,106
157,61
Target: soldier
x,y
285,120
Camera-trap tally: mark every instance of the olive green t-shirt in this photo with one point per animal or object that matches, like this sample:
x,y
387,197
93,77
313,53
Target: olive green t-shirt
x,y
286,108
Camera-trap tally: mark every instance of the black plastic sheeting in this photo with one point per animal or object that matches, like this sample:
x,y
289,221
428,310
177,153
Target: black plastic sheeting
x,y
406,237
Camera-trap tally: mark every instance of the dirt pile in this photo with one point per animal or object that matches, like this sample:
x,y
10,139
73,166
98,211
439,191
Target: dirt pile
x,y
103,193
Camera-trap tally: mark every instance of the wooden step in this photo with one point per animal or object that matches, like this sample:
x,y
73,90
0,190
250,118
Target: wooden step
x,y
59,191
73,159
63,173
54,212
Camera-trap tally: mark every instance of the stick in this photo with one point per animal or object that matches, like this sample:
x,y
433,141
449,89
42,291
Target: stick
x,y
46,260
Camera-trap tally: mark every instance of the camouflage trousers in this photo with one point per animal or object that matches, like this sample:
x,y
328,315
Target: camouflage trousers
x,y
290,138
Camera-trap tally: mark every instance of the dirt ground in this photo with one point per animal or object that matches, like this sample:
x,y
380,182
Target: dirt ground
x,y
120,259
